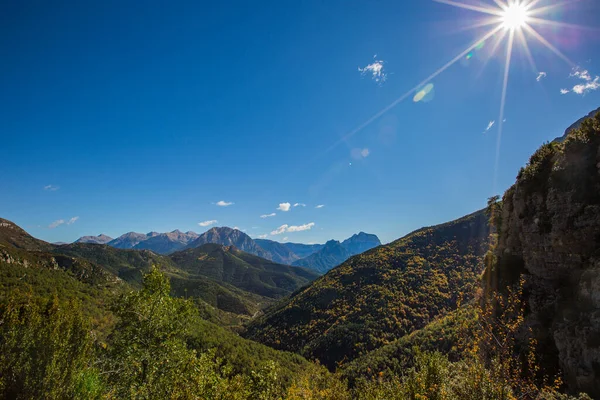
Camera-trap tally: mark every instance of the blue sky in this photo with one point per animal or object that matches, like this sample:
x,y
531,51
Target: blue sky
x,y
116,117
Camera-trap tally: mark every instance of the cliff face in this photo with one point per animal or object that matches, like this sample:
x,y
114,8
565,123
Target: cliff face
x,y
550,235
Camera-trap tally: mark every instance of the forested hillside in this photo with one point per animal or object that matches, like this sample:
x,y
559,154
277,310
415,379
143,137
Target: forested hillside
x,y
380,295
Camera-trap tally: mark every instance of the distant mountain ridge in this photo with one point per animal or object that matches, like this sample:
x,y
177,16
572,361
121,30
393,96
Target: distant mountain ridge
x,y
229,237
319,257
166,243
130,239
334,253
100,239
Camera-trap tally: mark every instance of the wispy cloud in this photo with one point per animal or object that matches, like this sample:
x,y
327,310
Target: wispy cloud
x,y
320,206
280,230
581,74
51,188
208,223
285,239
541,76
223,203
375,70
489,126
56,223
263,236
284,207
268,215
293,228
589,84
60,222
299,205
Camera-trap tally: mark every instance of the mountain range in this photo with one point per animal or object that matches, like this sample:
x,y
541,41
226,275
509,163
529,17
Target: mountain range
x,y
319,257
221,279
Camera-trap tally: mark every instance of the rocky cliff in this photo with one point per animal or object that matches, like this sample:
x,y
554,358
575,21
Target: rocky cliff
x,y
549,235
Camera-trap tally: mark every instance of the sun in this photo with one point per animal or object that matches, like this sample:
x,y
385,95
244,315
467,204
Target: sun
x,y
515,16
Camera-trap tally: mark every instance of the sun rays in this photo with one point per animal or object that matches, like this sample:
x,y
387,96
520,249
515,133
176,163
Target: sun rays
x,y
516,19
512,25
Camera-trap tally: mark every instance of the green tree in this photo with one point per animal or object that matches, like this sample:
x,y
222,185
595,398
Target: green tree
x,y
149,357
45,350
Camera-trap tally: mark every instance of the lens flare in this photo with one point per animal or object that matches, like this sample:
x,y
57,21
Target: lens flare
x,y
425,94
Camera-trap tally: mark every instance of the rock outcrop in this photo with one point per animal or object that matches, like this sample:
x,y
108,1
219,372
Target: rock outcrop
x,y
549,235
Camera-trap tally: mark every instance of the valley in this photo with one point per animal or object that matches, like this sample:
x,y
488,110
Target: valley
x,y
461,307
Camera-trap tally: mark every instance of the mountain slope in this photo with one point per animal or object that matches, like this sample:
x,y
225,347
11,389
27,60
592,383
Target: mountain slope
x,y
242,270
229,237
332,254
277,252
360,242
12,235
380,295
126,264
443,335
549,235
100,239
303,250
129,265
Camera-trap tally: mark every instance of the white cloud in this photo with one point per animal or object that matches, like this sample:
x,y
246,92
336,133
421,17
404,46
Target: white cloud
x,y
284,207
299,205
293,228
208,223
263,236
223,203
56,223
268,215
279,230
51,188
72,220
589,86
285,239
300,228
489,126
541,76
583,88
375,70
320,206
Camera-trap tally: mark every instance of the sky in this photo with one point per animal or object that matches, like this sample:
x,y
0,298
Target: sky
x,y
117,117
